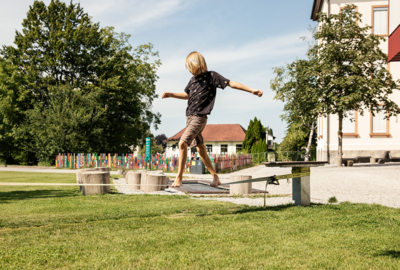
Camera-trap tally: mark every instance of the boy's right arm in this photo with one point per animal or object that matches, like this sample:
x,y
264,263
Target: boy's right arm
x,y
175,95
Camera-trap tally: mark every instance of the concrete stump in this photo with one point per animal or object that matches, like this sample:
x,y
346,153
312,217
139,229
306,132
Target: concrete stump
x,y
106,169
100,169
143,175
165,182
133,178
301,187
152,182
94,177
243,188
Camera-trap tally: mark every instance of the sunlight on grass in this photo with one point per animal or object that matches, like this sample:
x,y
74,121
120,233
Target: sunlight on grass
x,y
44,228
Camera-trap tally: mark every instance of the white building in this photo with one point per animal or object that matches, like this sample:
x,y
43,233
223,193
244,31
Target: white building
x,y
219,139
367,137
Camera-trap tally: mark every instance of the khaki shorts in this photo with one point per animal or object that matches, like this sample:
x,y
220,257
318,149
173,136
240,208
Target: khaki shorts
x,y
194,126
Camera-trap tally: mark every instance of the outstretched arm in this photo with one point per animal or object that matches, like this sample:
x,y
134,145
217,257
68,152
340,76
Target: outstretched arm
x,y
239,86
175,95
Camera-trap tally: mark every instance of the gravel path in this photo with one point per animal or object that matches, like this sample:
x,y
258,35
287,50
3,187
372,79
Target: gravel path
x,y
378,184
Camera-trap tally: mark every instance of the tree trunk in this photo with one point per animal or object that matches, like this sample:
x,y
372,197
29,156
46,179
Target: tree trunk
x,y
308,149
340,140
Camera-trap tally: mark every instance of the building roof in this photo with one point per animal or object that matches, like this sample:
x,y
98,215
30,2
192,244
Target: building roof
x,y
316,8
218,133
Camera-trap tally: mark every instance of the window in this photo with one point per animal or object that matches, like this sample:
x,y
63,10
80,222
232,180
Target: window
x,y
238,148
380,20
350,124
209,148
224,149
379,124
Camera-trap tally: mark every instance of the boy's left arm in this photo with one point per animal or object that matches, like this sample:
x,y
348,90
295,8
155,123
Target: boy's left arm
x,y
239,86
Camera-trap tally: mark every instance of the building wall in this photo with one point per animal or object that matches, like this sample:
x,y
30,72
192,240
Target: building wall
x,y
394,17
216,148
363,144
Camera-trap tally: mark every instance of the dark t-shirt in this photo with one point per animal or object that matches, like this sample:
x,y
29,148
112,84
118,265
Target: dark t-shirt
x,y
202,91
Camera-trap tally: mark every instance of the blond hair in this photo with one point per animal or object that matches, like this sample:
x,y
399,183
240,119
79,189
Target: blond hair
x,y
196,63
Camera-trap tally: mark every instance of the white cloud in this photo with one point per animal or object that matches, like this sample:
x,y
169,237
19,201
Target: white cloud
x,y
133,14
268,49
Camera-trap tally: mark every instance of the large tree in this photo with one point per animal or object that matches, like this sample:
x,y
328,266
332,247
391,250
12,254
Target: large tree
x,y
352,70
61,54
297,86
255,133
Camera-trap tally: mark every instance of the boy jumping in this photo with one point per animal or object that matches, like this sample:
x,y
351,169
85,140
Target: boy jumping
x,y
200,92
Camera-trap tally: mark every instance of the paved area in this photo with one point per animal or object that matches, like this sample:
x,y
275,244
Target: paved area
x,y
362,183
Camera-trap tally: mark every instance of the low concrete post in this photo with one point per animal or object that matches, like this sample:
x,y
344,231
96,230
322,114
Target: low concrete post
x,y
101,169
153,182
94,177
240,189
133,178
301,187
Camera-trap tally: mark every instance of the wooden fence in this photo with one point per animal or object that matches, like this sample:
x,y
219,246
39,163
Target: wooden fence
x,y
132,162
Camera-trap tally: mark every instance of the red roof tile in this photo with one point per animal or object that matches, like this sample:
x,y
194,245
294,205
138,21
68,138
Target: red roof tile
x,y
218,133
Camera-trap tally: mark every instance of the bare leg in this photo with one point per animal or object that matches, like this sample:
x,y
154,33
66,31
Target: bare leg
x,y
182,161
201,148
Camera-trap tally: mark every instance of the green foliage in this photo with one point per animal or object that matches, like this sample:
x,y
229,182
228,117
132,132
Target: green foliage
x,y
296,137
60,49
332,200
68,124
259,147
297,86
255,132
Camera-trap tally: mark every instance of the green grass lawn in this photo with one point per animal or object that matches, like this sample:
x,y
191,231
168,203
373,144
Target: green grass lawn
x,y
56,227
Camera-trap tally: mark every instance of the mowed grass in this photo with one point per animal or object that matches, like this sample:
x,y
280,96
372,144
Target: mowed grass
x,y
57,227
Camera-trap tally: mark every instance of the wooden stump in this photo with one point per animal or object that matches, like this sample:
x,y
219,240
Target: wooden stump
x,y
133,178
94,177
152,182
240,189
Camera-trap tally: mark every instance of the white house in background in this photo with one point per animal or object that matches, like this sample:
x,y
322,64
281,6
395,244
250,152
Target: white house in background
x,y
371,137
219,139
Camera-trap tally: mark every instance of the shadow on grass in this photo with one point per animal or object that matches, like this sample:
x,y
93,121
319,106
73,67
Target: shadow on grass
x,y
390,253
35,194
271,208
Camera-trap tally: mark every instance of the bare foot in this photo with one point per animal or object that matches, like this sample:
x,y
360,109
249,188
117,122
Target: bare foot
x,y
177,183
216,181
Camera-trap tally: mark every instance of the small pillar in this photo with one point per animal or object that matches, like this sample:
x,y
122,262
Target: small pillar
x,y
94,177
301,187
133,178
100,169
240,189
152,182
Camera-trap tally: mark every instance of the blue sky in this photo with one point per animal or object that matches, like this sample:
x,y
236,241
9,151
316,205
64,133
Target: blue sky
x,y
241,40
